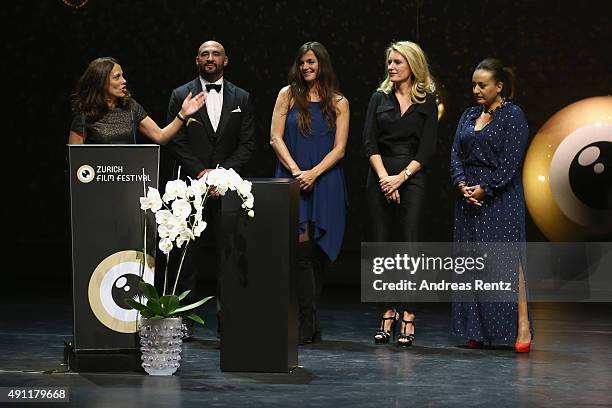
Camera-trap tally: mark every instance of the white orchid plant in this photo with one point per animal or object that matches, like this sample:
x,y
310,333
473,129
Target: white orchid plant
x,y
179,219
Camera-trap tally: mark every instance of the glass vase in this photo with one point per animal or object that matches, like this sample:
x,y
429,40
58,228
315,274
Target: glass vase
x,y
160,344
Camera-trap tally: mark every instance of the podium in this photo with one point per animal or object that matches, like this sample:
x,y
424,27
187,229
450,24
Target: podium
x,y
259,328
113,245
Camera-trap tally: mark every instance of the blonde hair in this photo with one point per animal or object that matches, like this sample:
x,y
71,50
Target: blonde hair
x,y
423,82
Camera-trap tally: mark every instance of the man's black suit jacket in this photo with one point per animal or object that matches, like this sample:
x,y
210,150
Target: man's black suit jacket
x,y
197,146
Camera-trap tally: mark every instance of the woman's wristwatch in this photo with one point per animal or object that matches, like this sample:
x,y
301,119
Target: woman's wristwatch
x,y
408,173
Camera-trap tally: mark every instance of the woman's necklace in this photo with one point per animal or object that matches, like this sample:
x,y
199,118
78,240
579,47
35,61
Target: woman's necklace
x,y
490,111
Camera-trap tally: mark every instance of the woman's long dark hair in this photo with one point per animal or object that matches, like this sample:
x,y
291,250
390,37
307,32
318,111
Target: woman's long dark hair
x,y
89,98
327,86
501,73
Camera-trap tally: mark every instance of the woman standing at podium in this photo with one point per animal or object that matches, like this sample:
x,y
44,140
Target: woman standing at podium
x,y
309,133
106,114
399,138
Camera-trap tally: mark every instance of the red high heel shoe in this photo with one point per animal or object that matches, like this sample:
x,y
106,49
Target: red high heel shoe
x,y
475,344
522,347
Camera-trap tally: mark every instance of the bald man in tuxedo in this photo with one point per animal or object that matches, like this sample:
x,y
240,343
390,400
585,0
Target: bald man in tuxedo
x,y
221,133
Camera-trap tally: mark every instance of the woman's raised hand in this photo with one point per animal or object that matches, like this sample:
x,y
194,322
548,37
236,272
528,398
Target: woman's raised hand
x,y
193,104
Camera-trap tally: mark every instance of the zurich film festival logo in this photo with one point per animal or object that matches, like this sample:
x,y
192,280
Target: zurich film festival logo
x,y
86,173
115,279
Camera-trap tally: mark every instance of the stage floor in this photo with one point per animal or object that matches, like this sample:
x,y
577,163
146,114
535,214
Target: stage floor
x,y
570,363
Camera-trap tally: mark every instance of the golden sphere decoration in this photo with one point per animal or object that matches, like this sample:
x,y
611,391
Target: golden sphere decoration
x,y
567,174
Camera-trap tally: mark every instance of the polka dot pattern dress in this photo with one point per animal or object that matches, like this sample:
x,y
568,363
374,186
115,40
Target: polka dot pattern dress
x,y
491,157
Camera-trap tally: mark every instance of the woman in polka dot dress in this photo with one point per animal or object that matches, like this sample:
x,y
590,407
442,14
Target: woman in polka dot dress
x,y
486,161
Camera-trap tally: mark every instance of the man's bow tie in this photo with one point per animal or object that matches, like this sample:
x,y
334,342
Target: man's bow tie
x,y
216,87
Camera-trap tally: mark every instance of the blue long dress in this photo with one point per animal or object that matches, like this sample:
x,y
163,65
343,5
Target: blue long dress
x,y
325,205
491,157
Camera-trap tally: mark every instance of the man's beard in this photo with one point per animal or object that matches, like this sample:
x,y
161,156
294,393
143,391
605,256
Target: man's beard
x,y
206,74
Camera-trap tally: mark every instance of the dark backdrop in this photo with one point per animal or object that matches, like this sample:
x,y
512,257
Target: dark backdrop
x,y
560,50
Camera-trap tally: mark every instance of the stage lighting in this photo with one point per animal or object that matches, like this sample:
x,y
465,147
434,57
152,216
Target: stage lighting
x,y
75,4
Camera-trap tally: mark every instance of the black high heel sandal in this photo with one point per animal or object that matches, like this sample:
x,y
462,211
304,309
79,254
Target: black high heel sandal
x,y
404,339
383,336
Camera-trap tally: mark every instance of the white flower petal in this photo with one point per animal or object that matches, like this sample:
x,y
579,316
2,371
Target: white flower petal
x,y
175,189
145,203
199,228
163,217
181,208
163,230
165,245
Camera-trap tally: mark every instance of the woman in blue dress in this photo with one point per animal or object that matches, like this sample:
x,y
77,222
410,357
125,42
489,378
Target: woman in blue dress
x,y
309,133
486,161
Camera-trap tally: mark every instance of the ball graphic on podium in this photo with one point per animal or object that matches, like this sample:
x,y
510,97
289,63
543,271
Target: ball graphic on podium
x,y
115,279
567,173
85,173
125,287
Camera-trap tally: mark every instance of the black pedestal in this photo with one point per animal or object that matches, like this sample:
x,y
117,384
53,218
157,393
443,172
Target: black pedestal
x,y
106,360
258,301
